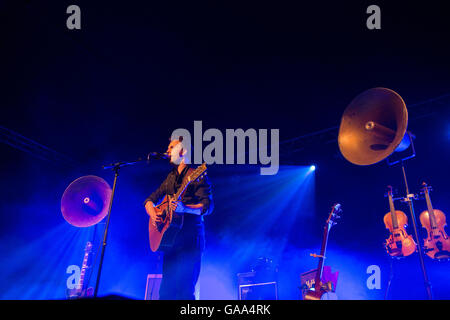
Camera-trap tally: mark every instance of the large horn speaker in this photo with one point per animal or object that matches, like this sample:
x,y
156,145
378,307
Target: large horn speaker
x,y
85,201
373,126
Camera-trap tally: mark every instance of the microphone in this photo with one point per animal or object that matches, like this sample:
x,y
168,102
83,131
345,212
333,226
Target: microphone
x,y
157,155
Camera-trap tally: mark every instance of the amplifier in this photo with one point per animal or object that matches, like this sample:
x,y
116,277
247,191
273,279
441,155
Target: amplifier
x,y
254,286
152,288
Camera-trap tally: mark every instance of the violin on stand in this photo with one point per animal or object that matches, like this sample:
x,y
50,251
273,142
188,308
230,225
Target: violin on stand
x,y
400,243
437,244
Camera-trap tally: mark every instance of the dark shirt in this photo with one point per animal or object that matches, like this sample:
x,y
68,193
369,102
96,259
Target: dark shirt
x,y
197,192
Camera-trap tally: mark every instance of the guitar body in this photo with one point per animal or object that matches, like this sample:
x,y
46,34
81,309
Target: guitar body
x,y
399,243
325,291
164,233
79,293
314,295
437,244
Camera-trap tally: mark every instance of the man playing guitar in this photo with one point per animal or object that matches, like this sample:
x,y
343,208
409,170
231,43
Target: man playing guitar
x,y
182,260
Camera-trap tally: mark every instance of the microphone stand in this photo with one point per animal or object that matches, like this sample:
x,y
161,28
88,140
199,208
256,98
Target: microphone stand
x,y
115,167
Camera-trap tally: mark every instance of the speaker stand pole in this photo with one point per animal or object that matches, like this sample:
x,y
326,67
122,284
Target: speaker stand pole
x,y
409,199
116,173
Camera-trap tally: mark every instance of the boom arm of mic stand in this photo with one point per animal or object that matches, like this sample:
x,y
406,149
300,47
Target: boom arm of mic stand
x,y
121,164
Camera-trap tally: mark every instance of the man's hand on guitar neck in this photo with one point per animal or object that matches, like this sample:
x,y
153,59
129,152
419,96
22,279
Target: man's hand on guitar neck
x,y
180,207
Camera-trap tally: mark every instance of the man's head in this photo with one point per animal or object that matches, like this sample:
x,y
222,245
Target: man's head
x,y
176,151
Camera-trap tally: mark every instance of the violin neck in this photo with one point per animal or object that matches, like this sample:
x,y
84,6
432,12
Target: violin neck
x,y
430,209
393,215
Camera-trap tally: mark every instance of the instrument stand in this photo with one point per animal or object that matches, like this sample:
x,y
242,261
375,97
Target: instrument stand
x,y
409,198
115,167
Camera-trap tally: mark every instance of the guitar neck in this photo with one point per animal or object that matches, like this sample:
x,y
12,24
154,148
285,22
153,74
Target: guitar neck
x,y
180,191
192,177
83,270
322,253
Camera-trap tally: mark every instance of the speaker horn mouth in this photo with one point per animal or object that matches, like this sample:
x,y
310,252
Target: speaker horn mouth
x,y
372,126
85,201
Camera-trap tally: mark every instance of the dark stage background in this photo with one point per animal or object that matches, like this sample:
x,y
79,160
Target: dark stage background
x,y
117,88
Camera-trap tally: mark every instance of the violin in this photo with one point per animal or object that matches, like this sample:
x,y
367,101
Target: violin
x,y
437,244
400,243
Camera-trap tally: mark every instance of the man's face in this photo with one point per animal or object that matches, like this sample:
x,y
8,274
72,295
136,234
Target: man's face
x,y
175,152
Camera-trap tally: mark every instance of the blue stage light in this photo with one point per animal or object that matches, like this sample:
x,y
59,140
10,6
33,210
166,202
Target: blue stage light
x,y
312,168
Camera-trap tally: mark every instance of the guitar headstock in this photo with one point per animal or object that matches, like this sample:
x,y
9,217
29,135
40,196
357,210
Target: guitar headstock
x,y
198,173
335,214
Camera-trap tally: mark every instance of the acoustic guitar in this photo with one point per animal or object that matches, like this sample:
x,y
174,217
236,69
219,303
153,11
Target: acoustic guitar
x,y
324,291
80,289
165,232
